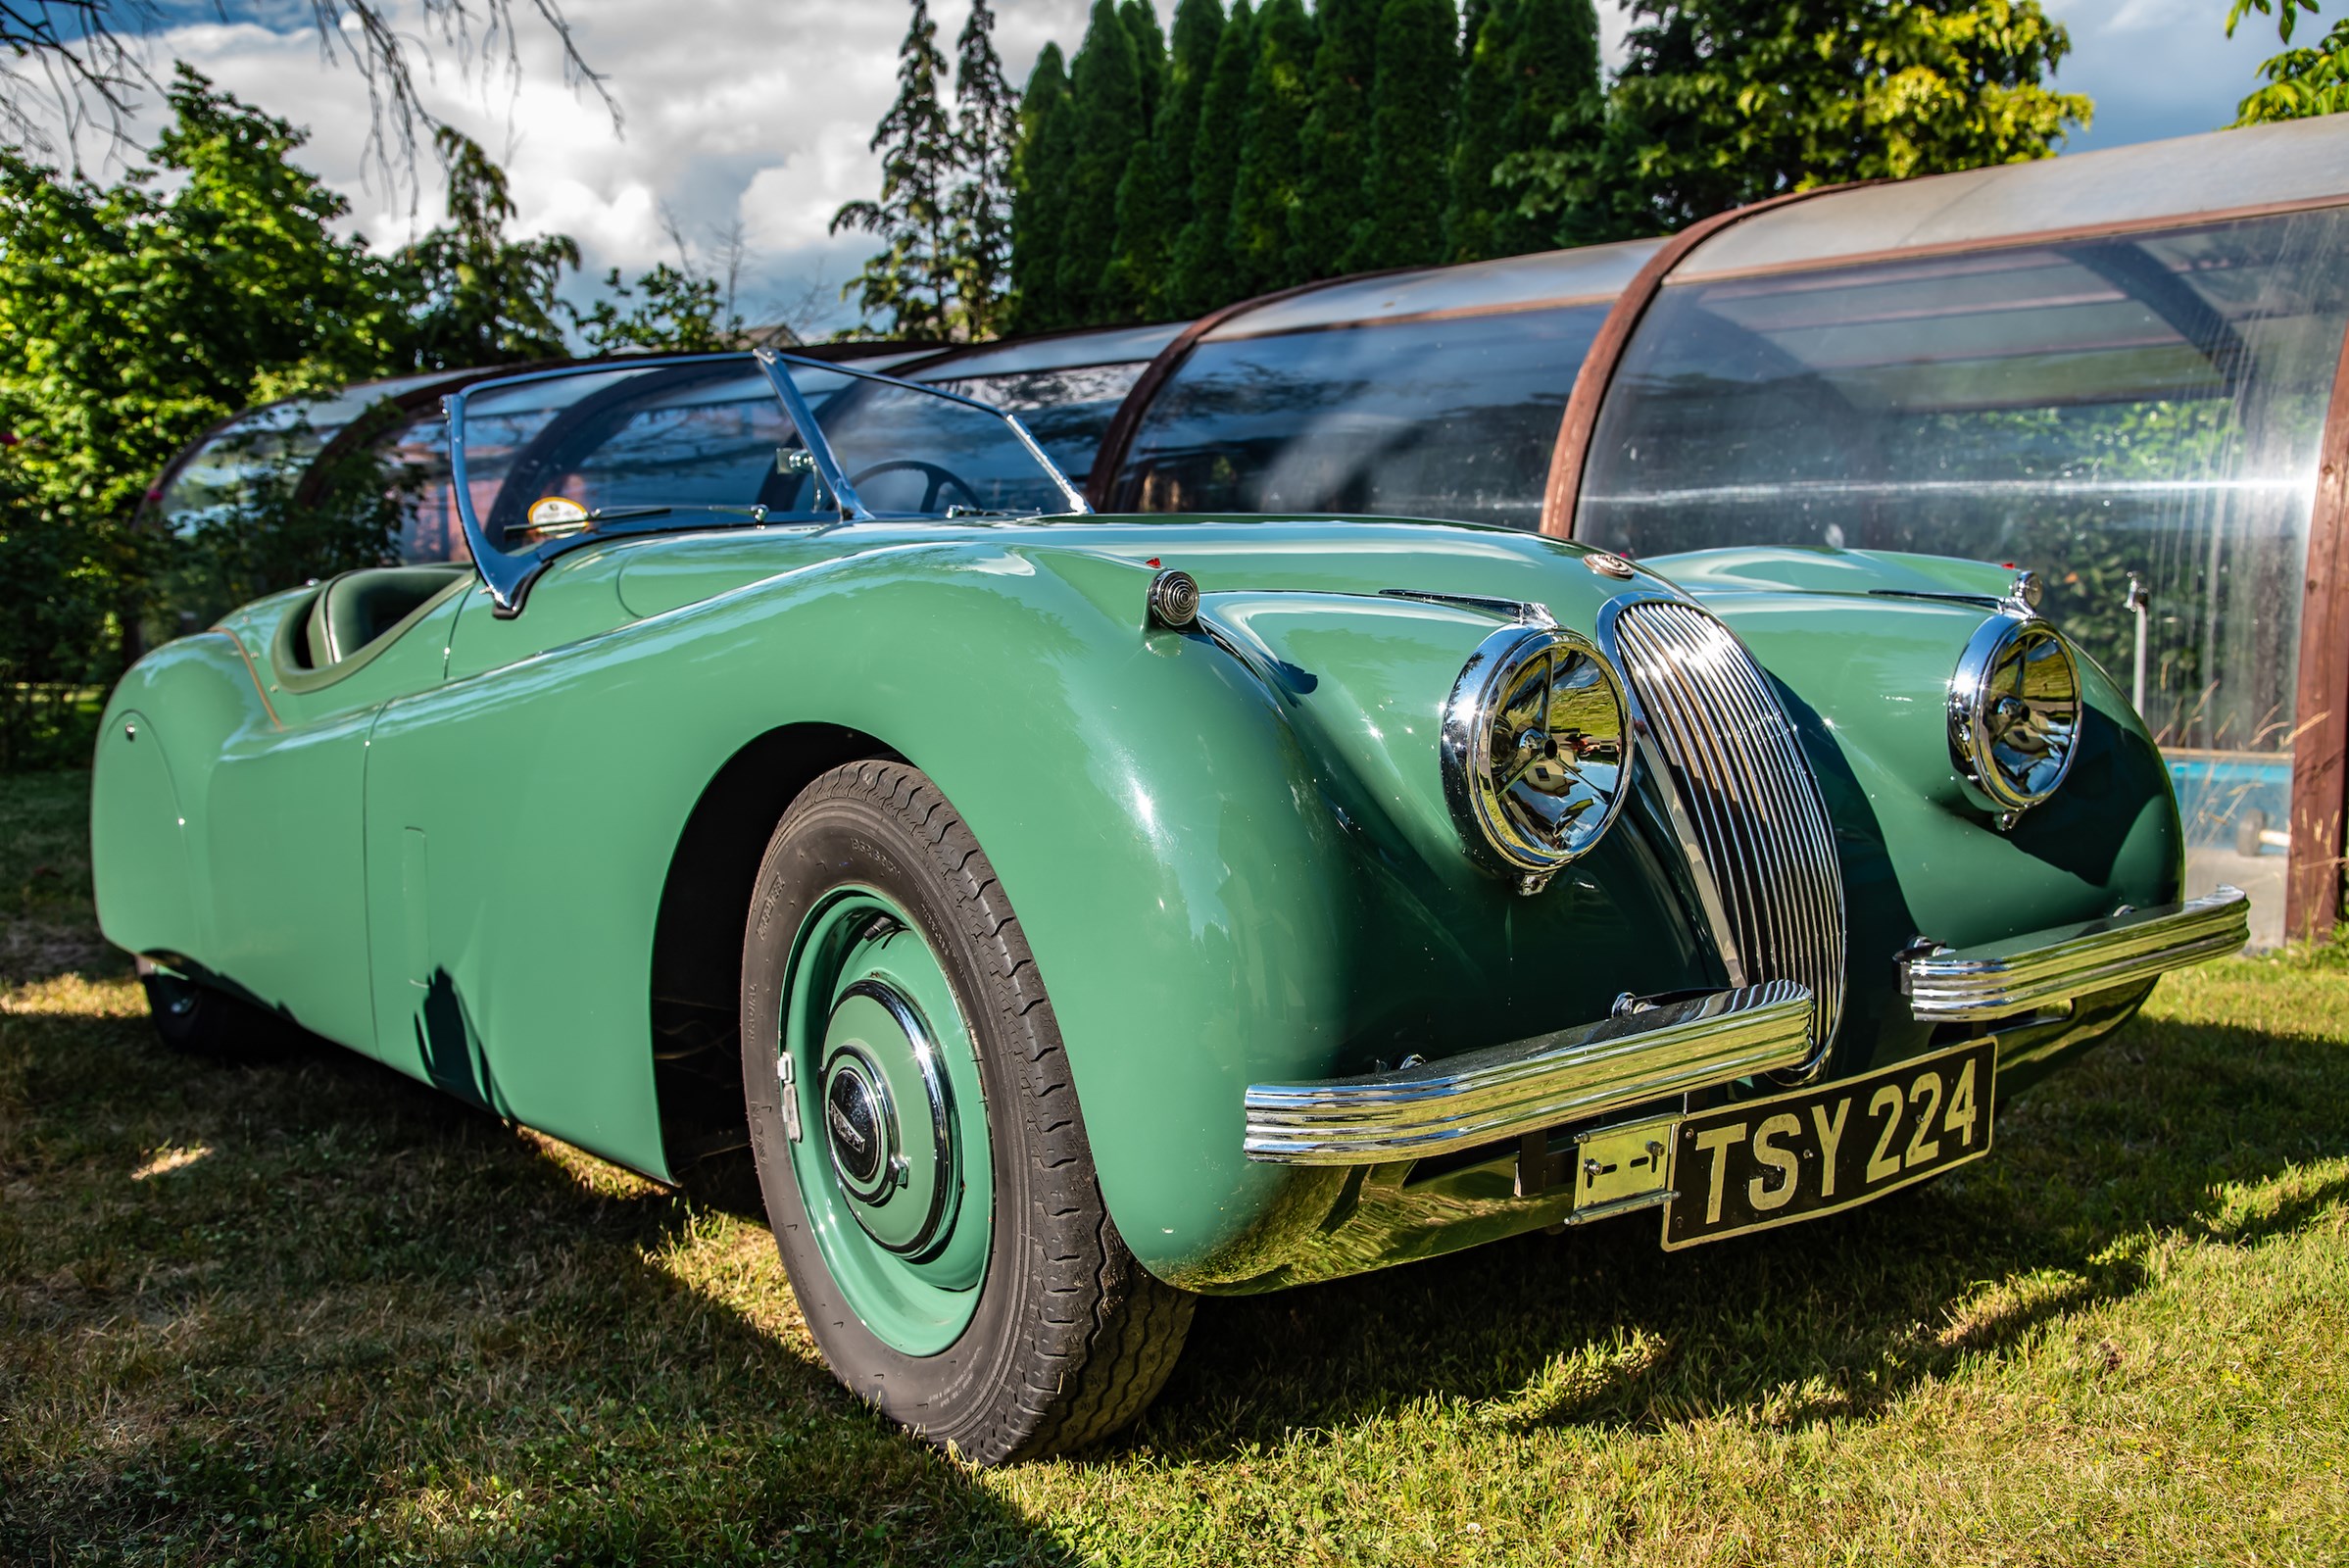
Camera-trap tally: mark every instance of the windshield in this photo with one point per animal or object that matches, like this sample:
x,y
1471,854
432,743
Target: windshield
x,y
908,451
549,460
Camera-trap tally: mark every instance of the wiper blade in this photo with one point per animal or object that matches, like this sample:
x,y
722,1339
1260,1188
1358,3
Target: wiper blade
x,y
617,514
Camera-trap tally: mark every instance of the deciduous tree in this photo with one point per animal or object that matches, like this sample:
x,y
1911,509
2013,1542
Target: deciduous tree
x,y
480,296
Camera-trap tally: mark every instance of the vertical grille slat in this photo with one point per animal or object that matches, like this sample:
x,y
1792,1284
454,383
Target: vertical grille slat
x,y
1740,773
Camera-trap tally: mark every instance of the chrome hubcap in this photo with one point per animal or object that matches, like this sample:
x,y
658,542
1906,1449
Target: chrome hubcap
x,y
888,1118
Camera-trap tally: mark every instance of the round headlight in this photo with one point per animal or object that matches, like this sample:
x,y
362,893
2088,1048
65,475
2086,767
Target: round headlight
x,y
2014,711
1536,750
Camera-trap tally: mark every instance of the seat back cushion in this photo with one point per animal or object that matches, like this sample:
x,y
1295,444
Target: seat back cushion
x,y
360,606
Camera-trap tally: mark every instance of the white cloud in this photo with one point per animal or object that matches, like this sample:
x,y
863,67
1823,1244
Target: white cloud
x,y
759,110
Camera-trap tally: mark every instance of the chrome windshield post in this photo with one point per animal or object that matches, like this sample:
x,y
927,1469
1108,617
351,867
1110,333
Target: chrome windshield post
x,y
819,446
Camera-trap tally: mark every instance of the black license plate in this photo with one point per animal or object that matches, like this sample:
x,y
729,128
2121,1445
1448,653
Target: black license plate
x,y
1794,1157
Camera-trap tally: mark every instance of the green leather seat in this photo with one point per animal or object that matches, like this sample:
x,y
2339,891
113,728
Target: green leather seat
x,y
355,609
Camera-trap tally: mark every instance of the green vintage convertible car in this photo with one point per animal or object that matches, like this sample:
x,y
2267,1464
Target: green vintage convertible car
x,y
1075,914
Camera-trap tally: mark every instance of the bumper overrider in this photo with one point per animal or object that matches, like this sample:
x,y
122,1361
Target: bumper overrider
x,y
2001,979
1579,1074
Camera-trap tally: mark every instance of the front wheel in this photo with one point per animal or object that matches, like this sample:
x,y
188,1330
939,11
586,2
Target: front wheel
x,y
919,1145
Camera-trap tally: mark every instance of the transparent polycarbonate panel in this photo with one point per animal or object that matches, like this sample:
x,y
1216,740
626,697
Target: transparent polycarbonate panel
x,y
908,451
264,453
415,460
2301,161
1067,412
2147,405
1062,351
1447,418
1595,273
676,443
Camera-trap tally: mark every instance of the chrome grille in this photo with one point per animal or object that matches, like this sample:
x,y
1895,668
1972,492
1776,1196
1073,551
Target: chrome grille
x,y
1750,801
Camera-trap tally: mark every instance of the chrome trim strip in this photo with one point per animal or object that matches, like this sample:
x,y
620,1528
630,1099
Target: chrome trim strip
x,y
1504,1090
1750,815
2020,973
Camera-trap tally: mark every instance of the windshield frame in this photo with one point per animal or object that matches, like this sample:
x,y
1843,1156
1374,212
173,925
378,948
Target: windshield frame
x,y
507,575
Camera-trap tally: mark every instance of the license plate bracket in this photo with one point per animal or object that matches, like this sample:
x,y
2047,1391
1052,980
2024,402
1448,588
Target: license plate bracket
x,y
1757,1165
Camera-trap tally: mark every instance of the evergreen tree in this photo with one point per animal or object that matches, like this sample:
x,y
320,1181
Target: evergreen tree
x,y
1040,173
1205,276
1271,161
1331,198
1556,105
1198,29
482,298
1478,141
1105,95
1410,136
986,128
1145,205
912,279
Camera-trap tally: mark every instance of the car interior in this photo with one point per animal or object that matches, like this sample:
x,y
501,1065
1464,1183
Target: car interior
x,y
355,610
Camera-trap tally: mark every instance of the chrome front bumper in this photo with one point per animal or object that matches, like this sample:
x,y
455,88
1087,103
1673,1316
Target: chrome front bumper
x,y
2000,979
1485,1096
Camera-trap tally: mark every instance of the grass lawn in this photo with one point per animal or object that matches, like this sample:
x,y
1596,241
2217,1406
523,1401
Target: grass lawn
x,y
310,1312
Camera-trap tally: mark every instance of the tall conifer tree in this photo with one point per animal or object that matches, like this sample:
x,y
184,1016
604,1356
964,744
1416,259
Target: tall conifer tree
x,y
1040,177
1479,135
1204,277
1410,136
912,280
1279,97
1146,206
1555,105
1198,27
1331,194
1106,93
986,128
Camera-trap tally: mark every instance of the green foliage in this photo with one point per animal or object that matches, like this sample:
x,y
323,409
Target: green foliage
x,y
1332,201
1106,97
1204,277
2301,83
287,520
986,130
1410,136
480,297
1555,108
1479,134
133,316
1265,191
1040,170
911,282
1198,30
1146,216
1725,102
671,310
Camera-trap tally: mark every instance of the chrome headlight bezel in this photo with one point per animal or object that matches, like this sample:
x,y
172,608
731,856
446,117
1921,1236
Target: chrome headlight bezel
x,y
2013,746
1495,821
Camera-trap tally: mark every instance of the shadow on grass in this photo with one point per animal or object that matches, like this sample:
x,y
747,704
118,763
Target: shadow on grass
x,y
2140,1141
336,1316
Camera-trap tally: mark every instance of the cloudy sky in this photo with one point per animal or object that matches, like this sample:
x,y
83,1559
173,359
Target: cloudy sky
x,y
758,111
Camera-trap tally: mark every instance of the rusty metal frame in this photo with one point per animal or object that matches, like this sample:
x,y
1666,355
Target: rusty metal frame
x,y
2320,699
1573,451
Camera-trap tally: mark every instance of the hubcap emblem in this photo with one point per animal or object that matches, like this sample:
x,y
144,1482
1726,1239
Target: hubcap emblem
x,y
861,1131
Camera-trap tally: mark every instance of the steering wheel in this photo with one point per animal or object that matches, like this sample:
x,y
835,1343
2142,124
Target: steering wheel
x,y
939,479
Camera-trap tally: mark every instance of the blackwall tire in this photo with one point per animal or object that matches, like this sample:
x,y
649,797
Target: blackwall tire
x,y
202,1021
1018,1324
